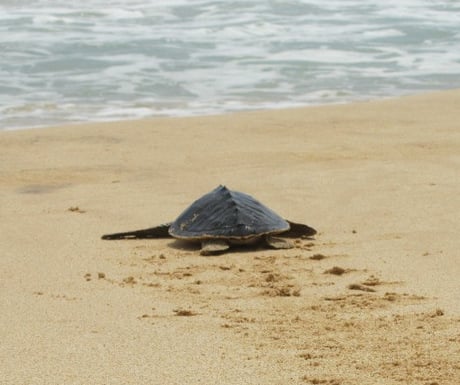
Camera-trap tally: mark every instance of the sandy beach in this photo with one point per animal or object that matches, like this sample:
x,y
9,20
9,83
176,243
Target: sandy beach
x,y
372,299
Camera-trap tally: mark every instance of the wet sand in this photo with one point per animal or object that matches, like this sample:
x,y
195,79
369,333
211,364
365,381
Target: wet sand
x,y
372,299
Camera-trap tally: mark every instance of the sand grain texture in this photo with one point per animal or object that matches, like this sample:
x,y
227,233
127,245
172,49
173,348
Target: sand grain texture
x,y
372,300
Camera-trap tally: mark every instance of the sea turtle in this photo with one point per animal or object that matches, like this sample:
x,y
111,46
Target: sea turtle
x,y
222,218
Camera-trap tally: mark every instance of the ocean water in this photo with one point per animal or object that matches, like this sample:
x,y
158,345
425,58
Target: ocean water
x,y
102,60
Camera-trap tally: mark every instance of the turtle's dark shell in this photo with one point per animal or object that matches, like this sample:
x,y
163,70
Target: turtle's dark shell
x,y
223,218
227,214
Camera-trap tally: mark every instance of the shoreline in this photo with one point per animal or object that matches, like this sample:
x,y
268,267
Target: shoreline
x,y
378,180
283,106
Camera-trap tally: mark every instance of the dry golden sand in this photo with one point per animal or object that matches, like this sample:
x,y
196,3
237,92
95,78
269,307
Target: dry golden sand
x,y
373,299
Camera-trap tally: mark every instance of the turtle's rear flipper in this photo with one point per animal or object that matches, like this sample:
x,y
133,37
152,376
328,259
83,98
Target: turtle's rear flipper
x,y
213,246
152,232
298,230
278,243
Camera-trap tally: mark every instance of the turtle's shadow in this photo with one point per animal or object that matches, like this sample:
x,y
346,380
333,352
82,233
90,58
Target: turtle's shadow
x,y
178,244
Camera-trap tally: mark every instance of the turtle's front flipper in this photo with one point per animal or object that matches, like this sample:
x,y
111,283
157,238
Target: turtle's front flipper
x,y
152,232
213,246
278,243
298,230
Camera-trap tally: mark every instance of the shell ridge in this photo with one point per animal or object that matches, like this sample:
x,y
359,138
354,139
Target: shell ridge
x,y
227,214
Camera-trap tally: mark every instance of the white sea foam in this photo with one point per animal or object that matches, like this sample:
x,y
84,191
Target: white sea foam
x,y
119,59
